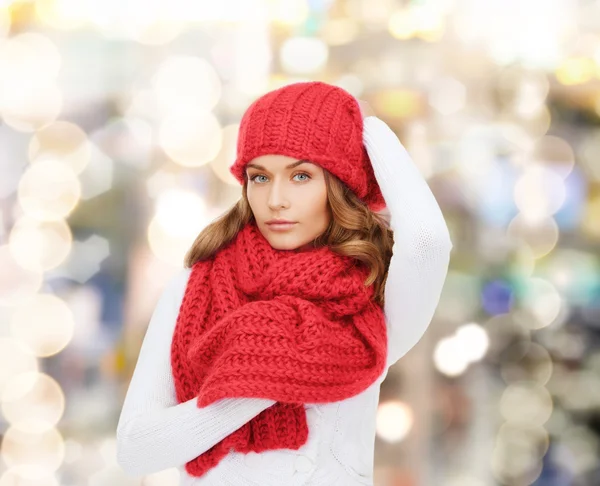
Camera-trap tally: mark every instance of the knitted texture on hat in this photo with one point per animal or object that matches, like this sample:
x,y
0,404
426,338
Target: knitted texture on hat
x,y
315,121
294,327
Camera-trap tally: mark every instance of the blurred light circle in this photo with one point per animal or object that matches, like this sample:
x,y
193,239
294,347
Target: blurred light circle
x,y
16,282
536,124
541,235
539,192
581,392
49,190
44,450
45,323
154,32
574,273
226,157
394,420
191,138
591,220
583,445
497,297
180,216
473,340
28,476
517,137
186,83
62,14
556,154
576,70
303,55
351,83
33,107
505,331
15,359
515,466
290,12
447,95
588,154
168,477
29,98
32,402
449,356
526,361
337,32
531,440
29,56
62,140
542,301
40,245
73,451
524,90
526,404
141,104
127,140
173,209
5,21
463,480
401,24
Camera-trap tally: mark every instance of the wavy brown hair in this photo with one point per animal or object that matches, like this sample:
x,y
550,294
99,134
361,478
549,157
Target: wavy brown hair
x,y
354,230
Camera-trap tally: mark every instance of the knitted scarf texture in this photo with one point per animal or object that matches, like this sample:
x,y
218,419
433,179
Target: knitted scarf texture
x,y
293,326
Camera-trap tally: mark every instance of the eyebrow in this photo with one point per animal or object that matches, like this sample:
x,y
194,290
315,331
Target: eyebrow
x,y
290,166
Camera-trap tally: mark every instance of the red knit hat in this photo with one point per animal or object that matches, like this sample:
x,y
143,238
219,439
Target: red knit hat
x,y
314,121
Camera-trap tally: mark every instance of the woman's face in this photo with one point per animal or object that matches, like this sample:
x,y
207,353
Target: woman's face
x,y
281,187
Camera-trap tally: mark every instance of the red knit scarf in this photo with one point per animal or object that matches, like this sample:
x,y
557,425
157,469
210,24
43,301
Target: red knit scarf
x,y
292,326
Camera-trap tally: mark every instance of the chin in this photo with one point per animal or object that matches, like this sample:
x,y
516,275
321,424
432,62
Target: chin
x,y
285,244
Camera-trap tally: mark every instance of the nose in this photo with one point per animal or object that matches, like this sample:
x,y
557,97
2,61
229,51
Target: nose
x,y
277,197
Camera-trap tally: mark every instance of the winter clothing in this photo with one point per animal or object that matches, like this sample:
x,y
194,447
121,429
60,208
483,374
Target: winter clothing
x,y
294,327
315,121
155,432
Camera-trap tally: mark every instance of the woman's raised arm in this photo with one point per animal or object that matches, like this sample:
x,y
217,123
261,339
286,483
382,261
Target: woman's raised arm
x,y
422,245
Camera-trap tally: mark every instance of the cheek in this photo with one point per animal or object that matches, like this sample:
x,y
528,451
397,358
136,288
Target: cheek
x,y
319,207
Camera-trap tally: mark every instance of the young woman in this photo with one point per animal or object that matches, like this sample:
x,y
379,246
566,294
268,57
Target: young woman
x,y
263,359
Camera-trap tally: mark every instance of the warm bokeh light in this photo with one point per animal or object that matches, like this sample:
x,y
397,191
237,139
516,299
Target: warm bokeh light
x,y
38,453
40,245
32,402
226,156
538,233
186,83
20,476
49,190
64,141
394,420
191,137
16,283
44,323
29,97
303,55
179,218
15,359
526,404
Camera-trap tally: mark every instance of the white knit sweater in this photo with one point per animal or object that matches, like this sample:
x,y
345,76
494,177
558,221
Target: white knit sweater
x,y
155,432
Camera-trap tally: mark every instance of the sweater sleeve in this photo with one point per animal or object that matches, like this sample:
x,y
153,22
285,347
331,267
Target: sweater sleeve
x,y
154,431
422,245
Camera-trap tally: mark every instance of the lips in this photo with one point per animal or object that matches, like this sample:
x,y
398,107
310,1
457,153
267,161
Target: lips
x,y
280,226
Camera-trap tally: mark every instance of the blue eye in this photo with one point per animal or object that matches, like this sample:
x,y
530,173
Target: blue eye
x,y
254,177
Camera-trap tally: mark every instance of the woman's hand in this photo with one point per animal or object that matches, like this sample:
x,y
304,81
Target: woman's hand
x,y
365,109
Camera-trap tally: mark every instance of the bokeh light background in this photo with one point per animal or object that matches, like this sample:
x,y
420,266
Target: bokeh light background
x,y
119,121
